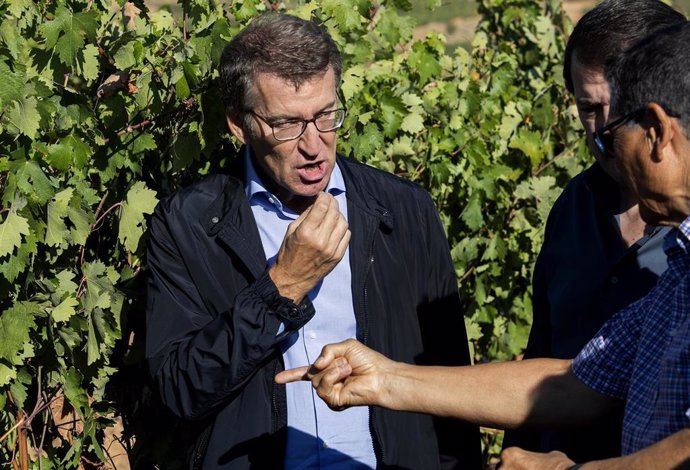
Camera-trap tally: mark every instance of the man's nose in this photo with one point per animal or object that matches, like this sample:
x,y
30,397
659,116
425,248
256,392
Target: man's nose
x,y
310,142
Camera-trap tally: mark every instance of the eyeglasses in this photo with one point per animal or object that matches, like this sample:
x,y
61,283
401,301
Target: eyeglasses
x,y
291,129
603,137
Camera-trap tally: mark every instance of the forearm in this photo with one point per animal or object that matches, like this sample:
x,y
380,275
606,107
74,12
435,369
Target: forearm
x,y
537,392
196,367
667,454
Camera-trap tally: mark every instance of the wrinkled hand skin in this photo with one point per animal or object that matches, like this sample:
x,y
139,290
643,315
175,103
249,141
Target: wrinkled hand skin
x,y
514,458
312,247
345,374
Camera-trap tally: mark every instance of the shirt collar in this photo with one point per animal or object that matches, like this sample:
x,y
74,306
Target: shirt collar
x,y
678,238
255,188
684,234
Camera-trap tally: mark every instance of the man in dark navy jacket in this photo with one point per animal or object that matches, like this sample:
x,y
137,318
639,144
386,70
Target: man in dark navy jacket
x,y
296,248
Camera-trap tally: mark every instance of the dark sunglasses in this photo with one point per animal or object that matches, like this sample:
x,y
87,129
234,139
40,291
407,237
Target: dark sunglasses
x,y
603,137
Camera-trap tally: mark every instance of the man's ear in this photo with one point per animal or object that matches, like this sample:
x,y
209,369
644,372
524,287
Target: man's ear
x,y
236,126
661,130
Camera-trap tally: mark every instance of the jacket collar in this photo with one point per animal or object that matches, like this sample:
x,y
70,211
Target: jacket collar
x,y
359,194
231,204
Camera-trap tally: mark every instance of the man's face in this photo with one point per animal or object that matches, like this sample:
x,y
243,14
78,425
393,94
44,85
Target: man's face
x,y
592,99
296,170
651,180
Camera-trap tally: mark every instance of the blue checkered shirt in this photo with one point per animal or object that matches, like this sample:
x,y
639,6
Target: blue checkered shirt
x,y
642,354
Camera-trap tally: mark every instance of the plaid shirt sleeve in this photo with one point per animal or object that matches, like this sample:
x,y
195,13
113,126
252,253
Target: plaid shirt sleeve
x,y
606,362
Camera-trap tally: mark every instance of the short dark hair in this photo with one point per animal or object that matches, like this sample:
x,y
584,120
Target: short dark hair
x,y
288,47
604,32
657,69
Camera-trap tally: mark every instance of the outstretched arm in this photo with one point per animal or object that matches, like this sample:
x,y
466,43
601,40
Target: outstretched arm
x,y
537,392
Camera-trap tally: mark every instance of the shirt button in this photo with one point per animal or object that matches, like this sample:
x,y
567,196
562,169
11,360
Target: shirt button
x,y
312,335
325,445
614,280
215,220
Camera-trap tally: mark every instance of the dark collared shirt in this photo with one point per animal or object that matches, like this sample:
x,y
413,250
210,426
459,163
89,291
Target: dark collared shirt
x,y
642,355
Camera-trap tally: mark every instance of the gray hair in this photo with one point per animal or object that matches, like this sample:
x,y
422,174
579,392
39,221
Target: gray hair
x,y
288,47
654,70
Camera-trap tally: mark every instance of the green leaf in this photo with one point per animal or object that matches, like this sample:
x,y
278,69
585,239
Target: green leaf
x,y
413,123
92,349
36,184
344,12
424,63
530,143
15,326
68,46
24,117
64,311
11,231
6,374
11,85
81,222
66,285
70,152
124,57
74,390
88,63
140,201
56,234
472,214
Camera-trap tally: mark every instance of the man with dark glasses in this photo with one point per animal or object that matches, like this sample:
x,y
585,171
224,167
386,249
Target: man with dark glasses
x,y
297,247
639,360
598,255
603,137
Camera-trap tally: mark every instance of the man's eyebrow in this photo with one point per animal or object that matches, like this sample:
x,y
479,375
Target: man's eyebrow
x,y
284,117
589,102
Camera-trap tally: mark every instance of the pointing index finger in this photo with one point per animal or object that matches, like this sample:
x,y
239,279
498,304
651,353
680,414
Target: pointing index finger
x,y
292,375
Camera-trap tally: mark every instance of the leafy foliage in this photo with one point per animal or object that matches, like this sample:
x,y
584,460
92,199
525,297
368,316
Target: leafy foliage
x,y
107,107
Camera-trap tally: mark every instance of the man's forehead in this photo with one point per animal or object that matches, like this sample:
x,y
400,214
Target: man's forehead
x,y
271,90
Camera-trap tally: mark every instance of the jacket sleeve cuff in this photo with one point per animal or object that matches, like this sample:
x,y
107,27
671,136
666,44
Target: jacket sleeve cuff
x,y
292,315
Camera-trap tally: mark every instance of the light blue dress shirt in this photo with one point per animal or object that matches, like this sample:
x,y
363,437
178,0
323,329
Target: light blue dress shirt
x,y
318,437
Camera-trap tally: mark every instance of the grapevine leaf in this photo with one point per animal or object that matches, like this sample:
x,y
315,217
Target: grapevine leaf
x,y
424,63
92,349
65,309
140,201
472,214
16,264
15,326
68,46
11,231
344,12
81,222
74,390
88,65
65,283
6,374
11,85
24,116
57,232
413,123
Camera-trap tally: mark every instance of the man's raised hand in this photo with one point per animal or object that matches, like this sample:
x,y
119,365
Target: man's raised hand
x,y
312,247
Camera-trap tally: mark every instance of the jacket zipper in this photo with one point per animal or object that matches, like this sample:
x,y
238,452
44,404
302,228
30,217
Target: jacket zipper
x,y
377,447
276,413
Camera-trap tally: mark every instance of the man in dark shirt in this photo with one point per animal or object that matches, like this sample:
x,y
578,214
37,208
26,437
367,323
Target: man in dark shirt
x,y
598,255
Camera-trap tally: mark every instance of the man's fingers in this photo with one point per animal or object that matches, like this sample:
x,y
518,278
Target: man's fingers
x,y
329,383
292,375
331,351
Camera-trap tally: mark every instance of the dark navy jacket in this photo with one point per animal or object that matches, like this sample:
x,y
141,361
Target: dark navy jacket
x,y
583,275
213,316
